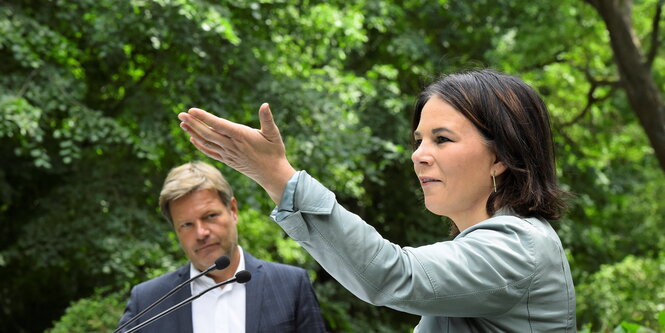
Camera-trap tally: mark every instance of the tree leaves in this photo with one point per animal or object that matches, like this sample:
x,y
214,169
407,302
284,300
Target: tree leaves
x,y
89,92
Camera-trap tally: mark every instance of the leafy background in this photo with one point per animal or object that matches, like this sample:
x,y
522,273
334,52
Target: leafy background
x,y
90,90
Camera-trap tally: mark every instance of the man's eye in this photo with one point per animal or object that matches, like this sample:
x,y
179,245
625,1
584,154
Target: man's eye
x,y
212,216
186,225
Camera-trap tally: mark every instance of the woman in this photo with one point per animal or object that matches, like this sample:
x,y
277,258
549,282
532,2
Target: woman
x,y
484,158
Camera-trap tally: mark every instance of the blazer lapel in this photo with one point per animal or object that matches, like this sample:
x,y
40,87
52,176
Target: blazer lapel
x,y
183,315
253,293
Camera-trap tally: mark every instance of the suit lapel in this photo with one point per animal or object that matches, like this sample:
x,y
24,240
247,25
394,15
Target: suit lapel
x,y
184,314
253,293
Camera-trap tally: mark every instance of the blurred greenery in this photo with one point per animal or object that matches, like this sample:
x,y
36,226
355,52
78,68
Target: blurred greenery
x,y
90,90
631,290
97,313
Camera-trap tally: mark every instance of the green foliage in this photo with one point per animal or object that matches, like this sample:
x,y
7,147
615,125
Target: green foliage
x,y
90,90
97,313
630,290
259,235
344,313
630,327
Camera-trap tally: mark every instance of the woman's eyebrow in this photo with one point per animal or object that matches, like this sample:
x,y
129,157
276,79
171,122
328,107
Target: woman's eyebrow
x,y
435,131
441,129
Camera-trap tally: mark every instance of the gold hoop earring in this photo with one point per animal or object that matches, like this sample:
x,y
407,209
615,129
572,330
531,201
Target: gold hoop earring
x,y
494,180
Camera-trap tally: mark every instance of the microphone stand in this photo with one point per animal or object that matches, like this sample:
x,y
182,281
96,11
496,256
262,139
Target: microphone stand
x,y
221,263
241,277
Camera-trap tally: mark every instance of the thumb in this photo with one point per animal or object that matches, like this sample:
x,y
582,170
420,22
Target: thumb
x,y
268,127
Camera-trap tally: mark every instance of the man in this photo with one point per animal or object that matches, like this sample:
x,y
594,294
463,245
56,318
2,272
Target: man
x,y
199,203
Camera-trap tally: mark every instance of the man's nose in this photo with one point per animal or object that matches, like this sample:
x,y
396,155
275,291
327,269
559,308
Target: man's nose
x,y
202,230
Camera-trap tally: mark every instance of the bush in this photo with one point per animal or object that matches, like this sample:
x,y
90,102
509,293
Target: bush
x,y
97,313
628,291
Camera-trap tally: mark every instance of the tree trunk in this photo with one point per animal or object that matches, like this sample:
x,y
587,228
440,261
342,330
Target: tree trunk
x,y
643,94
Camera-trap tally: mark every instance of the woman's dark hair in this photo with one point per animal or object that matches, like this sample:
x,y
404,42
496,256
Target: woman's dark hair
x,y
514,122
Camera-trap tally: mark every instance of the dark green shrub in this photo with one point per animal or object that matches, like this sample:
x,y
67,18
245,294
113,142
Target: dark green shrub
x,y
97,313
629,291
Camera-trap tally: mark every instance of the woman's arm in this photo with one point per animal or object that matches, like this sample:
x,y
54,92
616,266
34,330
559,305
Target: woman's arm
x,y
484,273
475,276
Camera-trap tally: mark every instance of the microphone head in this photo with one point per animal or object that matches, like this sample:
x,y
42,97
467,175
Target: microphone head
x,y
243,276
222,262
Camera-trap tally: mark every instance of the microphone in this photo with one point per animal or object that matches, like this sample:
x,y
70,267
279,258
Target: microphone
x,y
221,263
240,277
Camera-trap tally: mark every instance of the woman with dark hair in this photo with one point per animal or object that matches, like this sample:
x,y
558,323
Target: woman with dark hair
x,y
484,158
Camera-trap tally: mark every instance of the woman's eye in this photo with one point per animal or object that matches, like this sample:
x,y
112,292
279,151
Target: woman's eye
x,y
417,143
442,139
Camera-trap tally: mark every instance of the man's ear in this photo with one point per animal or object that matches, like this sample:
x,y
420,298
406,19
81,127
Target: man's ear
x,y
233,207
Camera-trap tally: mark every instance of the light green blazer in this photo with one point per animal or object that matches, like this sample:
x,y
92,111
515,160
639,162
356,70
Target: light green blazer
x,y
504,274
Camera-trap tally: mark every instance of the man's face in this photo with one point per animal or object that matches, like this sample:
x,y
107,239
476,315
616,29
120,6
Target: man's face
x,y
205,227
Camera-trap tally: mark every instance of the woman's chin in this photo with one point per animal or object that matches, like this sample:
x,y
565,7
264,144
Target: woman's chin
x,y
434,209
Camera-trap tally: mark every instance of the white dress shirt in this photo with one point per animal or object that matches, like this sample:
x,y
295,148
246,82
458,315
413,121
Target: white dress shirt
x,y
219,310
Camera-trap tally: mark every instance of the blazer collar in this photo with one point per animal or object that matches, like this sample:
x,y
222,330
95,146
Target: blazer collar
x,y
253,293
183,315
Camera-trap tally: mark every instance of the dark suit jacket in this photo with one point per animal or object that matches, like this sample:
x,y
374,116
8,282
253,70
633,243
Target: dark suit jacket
x,y
279,298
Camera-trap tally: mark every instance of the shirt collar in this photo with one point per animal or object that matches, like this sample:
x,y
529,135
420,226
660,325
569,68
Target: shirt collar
x,y
205,282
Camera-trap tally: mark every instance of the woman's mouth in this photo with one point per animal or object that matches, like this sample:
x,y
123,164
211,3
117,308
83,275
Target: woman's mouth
x,y
424,181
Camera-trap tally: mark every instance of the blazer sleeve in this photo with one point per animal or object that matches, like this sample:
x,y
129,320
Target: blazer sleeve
x,y
483,273
130,310
308,314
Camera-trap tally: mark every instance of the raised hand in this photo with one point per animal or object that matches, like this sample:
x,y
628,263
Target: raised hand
x,y
258,154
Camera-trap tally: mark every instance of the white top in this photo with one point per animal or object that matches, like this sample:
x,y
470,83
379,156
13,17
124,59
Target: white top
x,y
221,310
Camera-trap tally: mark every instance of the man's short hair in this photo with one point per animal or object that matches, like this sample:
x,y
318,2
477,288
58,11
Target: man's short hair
x,y
191,177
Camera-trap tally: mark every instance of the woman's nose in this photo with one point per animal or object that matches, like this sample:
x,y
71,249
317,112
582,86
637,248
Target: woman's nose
x,y
421,156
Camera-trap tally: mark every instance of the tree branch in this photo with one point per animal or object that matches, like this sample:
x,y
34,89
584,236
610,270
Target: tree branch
x,y
642,91
116,108
555,59
27,80
655,40
591,99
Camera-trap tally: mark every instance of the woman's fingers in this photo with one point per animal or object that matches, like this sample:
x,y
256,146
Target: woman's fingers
x,y
194,126
203,147
220,125
209,141
204,134
268,127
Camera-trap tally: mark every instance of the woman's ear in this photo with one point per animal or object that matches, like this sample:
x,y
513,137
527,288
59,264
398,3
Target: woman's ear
x,y
498,168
